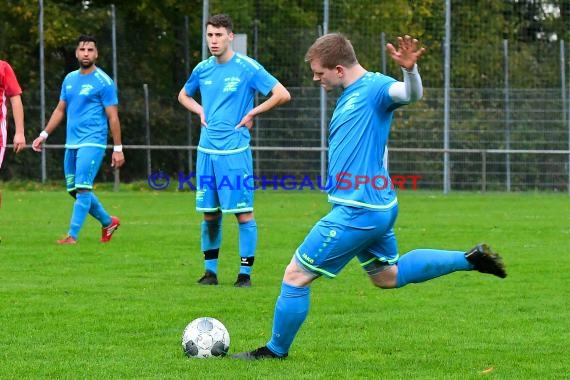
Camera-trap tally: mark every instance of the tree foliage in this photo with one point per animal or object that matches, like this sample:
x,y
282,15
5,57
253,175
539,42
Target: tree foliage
x,y
154,46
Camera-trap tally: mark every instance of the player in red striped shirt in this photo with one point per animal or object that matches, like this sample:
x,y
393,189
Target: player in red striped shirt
x,y
10,89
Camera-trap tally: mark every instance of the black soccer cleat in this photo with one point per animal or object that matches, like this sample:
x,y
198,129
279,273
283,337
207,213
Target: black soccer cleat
x,y
243,281
485,260
209,278
260,353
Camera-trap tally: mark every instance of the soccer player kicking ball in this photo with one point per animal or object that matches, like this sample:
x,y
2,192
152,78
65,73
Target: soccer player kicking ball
x,y
89,101
361,221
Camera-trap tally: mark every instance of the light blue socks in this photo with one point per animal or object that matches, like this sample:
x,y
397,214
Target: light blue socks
x,y
80,210
98,212
421,265
211,239
247,245
291,310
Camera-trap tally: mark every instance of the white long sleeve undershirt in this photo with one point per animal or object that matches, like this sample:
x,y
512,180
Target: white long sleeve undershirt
x,y
410,90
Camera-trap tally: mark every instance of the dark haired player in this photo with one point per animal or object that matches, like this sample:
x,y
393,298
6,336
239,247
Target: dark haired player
x,y
88,100
227,82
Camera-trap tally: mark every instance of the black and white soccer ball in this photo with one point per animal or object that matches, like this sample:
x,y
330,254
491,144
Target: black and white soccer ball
x,y
205,337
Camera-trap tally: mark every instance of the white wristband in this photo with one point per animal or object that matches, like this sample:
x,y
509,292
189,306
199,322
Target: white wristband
x,y
44,134
117,148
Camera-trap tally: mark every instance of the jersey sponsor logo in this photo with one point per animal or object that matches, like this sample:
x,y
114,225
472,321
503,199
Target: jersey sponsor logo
x,y
231,84
86,89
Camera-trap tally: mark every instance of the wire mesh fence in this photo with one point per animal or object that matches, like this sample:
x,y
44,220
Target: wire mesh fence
x,y
503,107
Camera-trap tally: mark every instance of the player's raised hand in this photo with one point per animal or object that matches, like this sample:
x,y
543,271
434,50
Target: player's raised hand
x,y
407,53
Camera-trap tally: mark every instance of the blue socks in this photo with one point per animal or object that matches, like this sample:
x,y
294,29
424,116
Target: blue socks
x,y
247,245
98,212
421,265
291,310
80,210
211,238
86,203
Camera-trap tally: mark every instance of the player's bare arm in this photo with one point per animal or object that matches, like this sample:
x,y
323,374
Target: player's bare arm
x,y
118,157
54,121
192,105
279,95
18,114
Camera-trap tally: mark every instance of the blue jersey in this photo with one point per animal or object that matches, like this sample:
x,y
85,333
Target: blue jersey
x,y
86,97
227,91
358,136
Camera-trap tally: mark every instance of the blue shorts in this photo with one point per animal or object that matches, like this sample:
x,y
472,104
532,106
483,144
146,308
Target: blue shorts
x,y
346,232
224,182
81,166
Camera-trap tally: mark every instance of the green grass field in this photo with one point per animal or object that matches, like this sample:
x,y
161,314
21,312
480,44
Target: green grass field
x,y
117,311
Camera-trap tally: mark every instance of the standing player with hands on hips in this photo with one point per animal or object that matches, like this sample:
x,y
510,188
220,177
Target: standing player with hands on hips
x,y
361,221
88,100
227,82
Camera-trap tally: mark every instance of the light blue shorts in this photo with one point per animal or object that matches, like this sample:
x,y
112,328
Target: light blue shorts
x,y
81,166
224,182
346,232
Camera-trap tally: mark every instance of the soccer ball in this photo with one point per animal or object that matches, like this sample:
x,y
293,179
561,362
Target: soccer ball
x,y
205,337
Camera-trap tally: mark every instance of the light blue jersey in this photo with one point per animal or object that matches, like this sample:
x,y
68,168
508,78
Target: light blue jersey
x,y
86,97
227,91
358,135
